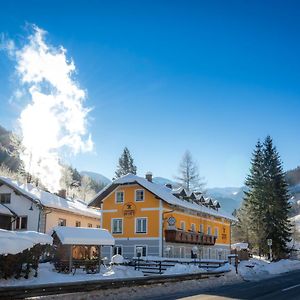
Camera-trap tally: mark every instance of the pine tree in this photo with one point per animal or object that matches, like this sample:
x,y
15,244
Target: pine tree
x,y
276,196
266,203
189,177
126,164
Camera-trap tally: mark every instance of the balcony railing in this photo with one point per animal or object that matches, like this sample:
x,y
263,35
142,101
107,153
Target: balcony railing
x,y
189,237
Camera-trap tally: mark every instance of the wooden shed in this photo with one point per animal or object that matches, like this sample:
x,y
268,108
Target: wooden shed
x,y
78,247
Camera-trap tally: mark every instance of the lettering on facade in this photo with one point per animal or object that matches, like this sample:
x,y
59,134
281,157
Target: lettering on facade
x,y
129,210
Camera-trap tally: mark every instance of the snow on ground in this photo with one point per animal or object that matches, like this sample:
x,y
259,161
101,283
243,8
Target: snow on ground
x,y
153,290
47,274
258,269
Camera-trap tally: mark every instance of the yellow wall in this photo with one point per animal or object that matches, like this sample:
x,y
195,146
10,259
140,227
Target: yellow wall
x,y
115,210
53,217
111,209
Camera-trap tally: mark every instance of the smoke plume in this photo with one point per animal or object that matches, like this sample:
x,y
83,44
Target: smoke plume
x,y
54,123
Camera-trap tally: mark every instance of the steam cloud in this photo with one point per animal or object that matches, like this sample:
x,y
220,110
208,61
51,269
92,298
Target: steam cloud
x,y
54,123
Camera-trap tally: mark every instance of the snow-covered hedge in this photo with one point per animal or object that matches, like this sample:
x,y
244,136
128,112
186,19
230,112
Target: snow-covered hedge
x,y
20,252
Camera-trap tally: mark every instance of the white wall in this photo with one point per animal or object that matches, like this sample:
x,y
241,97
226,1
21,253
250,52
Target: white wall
x,y
21,205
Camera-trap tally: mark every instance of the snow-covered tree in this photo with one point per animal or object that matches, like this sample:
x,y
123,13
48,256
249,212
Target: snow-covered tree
x,y
126,164
188,174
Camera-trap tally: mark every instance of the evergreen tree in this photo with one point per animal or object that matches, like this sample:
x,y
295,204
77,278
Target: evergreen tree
x,y
189,176
276,196
266,203
126,164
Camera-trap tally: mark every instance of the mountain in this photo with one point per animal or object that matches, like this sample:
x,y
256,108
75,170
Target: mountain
x,y
164,181
6,150
97,177
230,198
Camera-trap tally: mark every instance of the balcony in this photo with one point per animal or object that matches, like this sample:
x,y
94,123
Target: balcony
x,y
189,237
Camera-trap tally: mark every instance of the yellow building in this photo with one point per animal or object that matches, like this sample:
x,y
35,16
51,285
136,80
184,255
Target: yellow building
x,y
149,219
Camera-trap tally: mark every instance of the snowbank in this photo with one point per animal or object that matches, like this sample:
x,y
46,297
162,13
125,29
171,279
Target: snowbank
x,y
240,246
184,269
47,274
13,242
256,269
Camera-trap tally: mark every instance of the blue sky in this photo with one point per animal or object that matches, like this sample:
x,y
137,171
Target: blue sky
x,y
166,76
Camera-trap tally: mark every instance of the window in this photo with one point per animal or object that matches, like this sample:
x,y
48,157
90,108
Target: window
x,y
139,195
182,225
5,198
62,222
201,228
78,224
119,197
140,251
90,225
141,225
21,223
97,226
117,250
193,227
208,230
216,232
117,225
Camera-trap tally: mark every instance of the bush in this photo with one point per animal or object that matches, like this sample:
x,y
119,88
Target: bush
x,y
21,264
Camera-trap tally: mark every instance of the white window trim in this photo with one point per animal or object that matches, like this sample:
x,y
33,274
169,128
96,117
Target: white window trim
x,y
209,227
135,195
120,246
193,225
135,246
20,222
216,231
119,191
182,227
112,228
135,225
201,228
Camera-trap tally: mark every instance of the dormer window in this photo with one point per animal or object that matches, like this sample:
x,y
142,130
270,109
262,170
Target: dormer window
x,y
139,195
5,198
119,197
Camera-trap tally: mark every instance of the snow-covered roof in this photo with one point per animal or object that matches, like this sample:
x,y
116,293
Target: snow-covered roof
x,y
240,246
5,211
51,200
13,242
84,236
162,192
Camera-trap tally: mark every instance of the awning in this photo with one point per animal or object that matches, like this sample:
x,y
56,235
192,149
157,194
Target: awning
x,y
84,236
5,211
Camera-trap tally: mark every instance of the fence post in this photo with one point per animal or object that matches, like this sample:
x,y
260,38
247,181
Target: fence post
x,y
160,267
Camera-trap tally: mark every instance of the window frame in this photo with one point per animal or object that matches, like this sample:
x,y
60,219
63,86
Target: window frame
x,y
63,220
143,246
135,194
3,195
136,225
116,196
117,252
208,230
78,222
90,225
193,227
19,222
182,227
216,232
201,228
112,225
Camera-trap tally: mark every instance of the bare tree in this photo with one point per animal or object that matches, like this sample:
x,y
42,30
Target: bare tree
x,y
189,176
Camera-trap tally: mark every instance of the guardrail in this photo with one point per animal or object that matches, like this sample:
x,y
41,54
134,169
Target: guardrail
x,y
23,292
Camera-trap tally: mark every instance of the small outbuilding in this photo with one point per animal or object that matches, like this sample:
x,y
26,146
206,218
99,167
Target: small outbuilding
x,y
78,247
242,250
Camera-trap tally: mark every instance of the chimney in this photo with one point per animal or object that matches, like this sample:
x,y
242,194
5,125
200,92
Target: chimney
x,y
62,193
148,176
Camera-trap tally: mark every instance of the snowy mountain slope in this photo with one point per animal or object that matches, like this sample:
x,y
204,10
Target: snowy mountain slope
x,y
97,177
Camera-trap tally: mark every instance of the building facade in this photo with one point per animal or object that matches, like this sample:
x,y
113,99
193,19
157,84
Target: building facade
x,y
148,219
25,207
